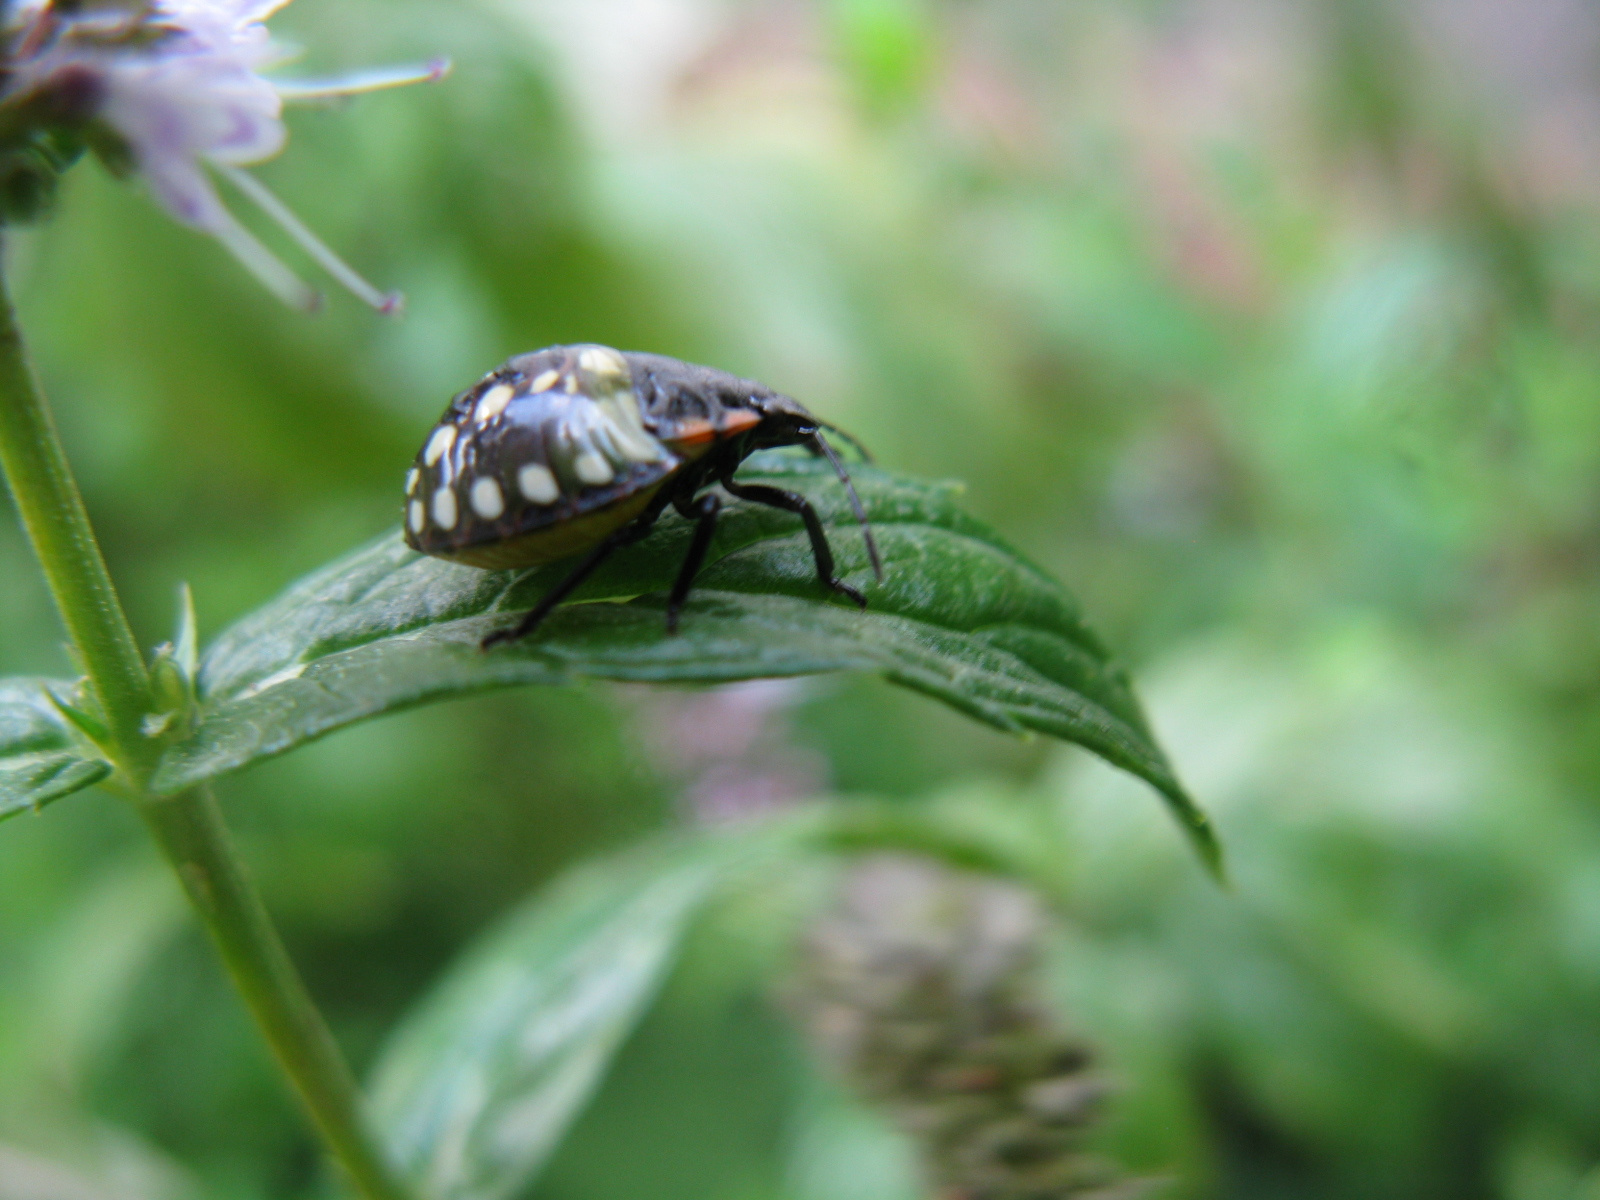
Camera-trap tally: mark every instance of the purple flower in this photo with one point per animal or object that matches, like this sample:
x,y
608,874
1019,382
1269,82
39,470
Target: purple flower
x,y
176,88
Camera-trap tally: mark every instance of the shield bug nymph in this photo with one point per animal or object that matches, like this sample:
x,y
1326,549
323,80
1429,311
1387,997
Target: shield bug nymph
x,y
581,448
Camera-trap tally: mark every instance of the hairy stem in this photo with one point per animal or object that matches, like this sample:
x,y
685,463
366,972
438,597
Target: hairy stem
x,y
58,526
188,826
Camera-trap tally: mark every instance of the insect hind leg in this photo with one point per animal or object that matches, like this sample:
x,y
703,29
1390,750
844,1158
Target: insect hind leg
x,y
531,620
821,552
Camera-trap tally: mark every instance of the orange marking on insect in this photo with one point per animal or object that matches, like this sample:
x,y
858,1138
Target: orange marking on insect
x,y
738,420
691,433
699,431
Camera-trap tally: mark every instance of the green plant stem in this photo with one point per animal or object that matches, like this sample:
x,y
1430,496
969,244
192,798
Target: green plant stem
x,y
187,826
58,526
190,830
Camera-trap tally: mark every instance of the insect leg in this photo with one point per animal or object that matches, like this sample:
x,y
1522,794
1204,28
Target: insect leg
x,y
793,502
705,511
625,536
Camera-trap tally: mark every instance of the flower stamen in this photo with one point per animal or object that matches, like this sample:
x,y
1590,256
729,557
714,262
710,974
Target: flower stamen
x,y
261,262
258,194
356,83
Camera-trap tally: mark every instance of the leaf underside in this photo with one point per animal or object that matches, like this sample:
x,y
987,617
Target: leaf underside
x,y
959,615
478,1084
41,757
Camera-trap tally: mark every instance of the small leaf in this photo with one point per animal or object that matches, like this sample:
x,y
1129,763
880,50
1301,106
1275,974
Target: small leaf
x,y
83,713
42,758
959,615
478,1085
174,673
186,640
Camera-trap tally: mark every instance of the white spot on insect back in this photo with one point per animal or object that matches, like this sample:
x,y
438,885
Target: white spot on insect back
x,y
639,446
416,515
545,382
444,508
486,499
492,403
439,444
602,360
626,440
592,468
537,484
411,480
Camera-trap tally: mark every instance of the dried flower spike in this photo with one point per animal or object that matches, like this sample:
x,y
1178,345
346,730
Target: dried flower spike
x,y
173,91
918,989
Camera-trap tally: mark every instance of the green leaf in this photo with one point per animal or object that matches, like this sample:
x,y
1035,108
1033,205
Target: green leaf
x,y
476,1088
985,826
959,615
842,1149
42,758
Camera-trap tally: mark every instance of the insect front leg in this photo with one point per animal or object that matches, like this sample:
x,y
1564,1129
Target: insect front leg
x,y
625,536
704,512
821,552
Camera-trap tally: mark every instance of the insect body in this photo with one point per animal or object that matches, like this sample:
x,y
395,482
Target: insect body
x,y
581,448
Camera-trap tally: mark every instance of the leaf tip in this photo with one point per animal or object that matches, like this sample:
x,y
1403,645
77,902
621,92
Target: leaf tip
x,y
1202,835
1197,826
1209,847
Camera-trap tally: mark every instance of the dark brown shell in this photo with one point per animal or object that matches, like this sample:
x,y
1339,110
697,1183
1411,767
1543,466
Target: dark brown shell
x,y
546,438
574,432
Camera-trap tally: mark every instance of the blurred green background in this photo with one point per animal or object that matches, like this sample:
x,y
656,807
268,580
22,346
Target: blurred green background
x,y
1272,328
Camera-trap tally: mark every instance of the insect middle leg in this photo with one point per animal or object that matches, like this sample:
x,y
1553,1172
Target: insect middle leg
x,y
625,536
704,512
794,502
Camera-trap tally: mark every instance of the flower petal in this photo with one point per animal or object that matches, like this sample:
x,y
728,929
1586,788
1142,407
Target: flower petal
x,y
178,84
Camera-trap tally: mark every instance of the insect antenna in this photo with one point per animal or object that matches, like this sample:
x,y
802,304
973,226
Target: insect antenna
x,y
832,456
850,438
